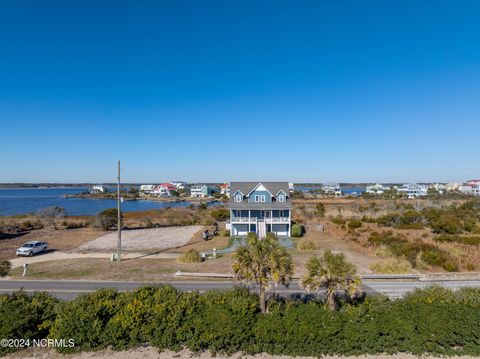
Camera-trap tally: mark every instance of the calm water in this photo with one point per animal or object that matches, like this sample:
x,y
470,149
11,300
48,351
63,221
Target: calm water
x,y
356,190
30,200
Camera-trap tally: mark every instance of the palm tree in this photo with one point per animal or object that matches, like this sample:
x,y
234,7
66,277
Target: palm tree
x,y
261,261
332,272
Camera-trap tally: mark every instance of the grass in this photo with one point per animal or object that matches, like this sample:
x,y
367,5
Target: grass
x,y
392,266
191,256
130,269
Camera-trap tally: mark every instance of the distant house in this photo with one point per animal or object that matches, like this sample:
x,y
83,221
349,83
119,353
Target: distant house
x,y
179,184
332,189
260,208
413,190
291,187
225,189
164,189
97,189
147,188
375,189
471,187
201,190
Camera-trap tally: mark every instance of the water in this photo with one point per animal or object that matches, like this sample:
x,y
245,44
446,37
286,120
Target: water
x,y
348,191
29,200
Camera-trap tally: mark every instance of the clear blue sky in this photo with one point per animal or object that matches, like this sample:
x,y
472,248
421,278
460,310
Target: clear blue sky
x,y
223,90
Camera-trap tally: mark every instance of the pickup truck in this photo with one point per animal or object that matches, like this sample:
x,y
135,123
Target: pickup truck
x,y
31,248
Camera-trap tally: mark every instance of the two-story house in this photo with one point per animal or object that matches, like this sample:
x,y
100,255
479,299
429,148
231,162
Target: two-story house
x,y
260,208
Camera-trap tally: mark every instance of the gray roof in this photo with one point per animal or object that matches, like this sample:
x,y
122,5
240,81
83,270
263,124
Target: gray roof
x,y
247,187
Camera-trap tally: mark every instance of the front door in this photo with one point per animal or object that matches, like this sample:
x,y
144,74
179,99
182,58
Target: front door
x,y
266,214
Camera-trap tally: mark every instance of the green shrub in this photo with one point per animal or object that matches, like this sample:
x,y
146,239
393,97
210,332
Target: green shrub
x,y
25,316
392,266
306,245
220,214
84,320
190,256
107,219
5,267
472,240
338,220
297,230
353,224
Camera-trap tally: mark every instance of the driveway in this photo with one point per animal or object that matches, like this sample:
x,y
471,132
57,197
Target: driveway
x,y
140,240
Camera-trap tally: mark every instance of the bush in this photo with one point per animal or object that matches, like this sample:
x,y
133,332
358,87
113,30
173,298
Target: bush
x,y
306,245
353,224
85,319
392,266
5,267
434,321
472,240
25,316
52,212
220,214
107,219
338,220
191,256
297,230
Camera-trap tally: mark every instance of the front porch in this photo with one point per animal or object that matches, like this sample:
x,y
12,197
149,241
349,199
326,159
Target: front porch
x,y
260,222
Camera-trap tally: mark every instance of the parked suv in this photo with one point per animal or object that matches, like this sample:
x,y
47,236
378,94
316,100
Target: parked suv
x,y
31,248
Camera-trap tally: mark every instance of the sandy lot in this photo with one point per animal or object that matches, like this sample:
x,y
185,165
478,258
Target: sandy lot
x,y
150,353
144,239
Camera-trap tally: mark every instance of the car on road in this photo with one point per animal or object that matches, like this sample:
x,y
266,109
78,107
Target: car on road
x,y
31,248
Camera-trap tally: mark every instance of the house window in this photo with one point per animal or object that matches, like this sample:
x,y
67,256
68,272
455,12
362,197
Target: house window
x,y
257,198
281,198
238,198
262,198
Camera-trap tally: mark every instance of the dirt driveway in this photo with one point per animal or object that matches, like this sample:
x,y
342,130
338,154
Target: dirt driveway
x,y
144,239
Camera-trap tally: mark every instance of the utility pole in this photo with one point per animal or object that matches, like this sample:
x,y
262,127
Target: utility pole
x,y
119,217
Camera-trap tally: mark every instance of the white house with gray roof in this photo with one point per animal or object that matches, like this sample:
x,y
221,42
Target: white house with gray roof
x,y
260,207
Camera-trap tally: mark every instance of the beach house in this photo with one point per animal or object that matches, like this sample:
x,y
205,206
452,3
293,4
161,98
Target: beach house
x,y
260,207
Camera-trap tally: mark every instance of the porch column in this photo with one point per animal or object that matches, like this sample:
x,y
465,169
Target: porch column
x,y
249,228
271,221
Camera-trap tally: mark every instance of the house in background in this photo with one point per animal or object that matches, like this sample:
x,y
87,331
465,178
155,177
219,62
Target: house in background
x,y
332,189
471,187
97,189
201,190
147,188
225,189
260,207
164,189
179,184
375,189
413,190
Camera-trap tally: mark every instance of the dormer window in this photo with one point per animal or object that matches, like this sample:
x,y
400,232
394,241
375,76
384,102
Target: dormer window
x,y
257,198
238,198
281,198
262,198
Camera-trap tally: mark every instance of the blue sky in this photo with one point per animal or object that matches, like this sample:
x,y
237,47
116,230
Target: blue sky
x,y
248,90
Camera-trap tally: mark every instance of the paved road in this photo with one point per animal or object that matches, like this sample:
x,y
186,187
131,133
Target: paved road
x,y
67,290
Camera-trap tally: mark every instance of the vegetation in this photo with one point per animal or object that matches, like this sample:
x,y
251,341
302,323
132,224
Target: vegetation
x,y
451,220
472,240
354,224
414,252
297,230
190,256
261,261
434,321
306,244
26,316
5,267
392,266
333,273
220,214
319,210
107,219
